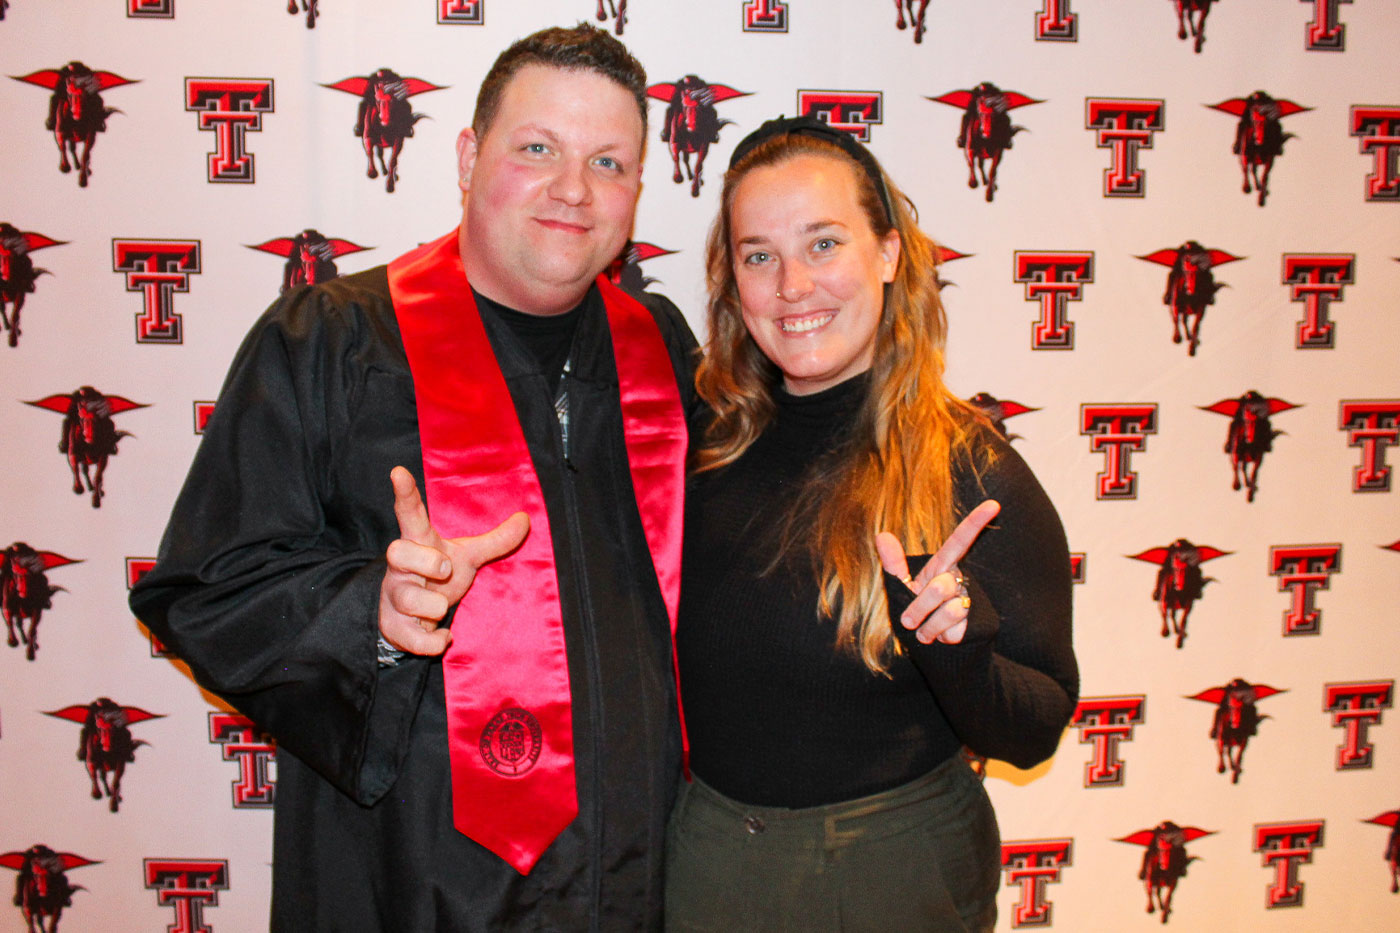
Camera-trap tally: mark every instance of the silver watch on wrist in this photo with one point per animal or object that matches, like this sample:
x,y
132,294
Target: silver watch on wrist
x,y
388,655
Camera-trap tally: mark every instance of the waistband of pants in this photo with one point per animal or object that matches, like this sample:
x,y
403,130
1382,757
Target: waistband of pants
x,y
946,788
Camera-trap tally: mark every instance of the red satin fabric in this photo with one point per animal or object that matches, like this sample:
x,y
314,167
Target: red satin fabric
x,y
509,713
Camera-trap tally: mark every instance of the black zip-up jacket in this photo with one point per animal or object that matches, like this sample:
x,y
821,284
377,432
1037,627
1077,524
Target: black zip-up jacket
x,y
267,584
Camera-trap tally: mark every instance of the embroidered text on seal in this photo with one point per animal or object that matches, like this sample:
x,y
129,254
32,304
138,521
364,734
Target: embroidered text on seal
x,y
511,742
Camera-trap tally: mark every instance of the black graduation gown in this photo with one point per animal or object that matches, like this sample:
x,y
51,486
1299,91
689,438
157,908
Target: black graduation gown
x,y
267,584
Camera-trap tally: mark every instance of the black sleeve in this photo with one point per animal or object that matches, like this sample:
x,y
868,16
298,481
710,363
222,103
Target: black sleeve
x,y
267,579
1010,686
685,356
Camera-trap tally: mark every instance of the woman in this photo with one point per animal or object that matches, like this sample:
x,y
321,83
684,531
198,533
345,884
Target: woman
x,y
828,698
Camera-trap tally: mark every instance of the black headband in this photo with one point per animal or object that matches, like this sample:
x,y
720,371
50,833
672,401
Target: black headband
x,y
818,129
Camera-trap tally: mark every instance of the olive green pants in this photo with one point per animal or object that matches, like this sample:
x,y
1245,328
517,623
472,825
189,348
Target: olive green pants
x,y
924,856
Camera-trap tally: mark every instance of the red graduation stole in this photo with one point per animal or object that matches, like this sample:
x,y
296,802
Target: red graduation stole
x,y
509,712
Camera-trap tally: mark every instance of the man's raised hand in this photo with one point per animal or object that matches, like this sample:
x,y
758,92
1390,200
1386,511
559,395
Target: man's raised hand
x,y
940,608
428,574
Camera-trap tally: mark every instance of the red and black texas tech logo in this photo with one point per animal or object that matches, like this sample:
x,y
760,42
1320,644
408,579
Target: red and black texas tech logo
x,y
618,11
88,437
1235,721
1055,22
203,411
25,592
150,9
1116,430
187,885
626,270
1325,32
17,272
310,7
1316,280
764,15
986,130
1124,126
1053,279
1180,581
461,12
1030,865
385,117
76,111
1250,435
42,889
1191,16
230,108
1191,286
1391,818
157,269
1164,860
998,410
1355,707
1303,569
1372,425
105,745
691,124
916,10
1284,847
310,256
852,111
1378,128
1259,135
255,753
1103,723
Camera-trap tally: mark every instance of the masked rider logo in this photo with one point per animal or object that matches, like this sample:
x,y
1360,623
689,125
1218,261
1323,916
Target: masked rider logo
x,y
1164,863
986,129
76,111
1235,721
691,125
1250,436
1179,581
310,257
42,889
25,592
307,6
385,117
105,746
88,437
1191,286
17,273
1259,136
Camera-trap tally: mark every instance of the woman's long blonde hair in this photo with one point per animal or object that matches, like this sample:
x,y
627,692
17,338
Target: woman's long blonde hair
x,y
895,474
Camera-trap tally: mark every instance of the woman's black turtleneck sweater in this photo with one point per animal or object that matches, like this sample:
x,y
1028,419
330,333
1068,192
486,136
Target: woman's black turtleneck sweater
x,y
777,717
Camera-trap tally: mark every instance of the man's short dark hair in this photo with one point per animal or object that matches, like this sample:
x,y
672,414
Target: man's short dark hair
x,y
582,48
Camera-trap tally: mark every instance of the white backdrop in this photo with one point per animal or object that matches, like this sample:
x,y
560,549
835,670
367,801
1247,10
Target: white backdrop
x,y
184,827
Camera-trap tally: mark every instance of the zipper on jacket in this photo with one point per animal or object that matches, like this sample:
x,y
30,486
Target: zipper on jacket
x,y
564,417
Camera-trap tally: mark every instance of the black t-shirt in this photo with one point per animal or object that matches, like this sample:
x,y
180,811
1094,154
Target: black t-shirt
x,y
549,337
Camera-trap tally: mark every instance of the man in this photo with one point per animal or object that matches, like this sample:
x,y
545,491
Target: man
x,y
548,732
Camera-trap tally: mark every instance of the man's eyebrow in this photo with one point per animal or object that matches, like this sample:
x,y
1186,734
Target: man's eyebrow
x,y
534,129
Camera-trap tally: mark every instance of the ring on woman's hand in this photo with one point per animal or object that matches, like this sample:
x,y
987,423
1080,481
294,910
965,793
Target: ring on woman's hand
x,y
960,583
907,580
967,602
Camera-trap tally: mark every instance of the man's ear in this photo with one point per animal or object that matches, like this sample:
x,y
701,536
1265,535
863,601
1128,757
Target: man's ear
x,y
466,158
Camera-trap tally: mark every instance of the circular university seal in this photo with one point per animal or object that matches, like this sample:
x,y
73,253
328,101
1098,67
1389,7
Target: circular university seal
x,y
511,742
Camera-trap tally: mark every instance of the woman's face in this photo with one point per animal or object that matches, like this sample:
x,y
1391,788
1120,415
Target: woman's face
x,y
810,270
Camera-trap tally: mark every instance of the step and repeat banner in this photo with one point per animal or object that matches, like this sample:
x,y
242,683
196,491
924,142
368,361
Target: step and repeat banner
x,y
1172,232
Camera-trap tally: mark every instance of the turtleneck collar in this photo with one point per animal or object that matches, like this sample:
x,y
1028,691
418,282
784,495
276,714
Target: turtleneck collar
x,y
821,420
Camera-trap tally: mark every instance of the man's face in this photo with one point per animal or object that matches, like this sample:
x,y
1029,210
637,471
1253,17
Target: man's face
x,y
550,189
